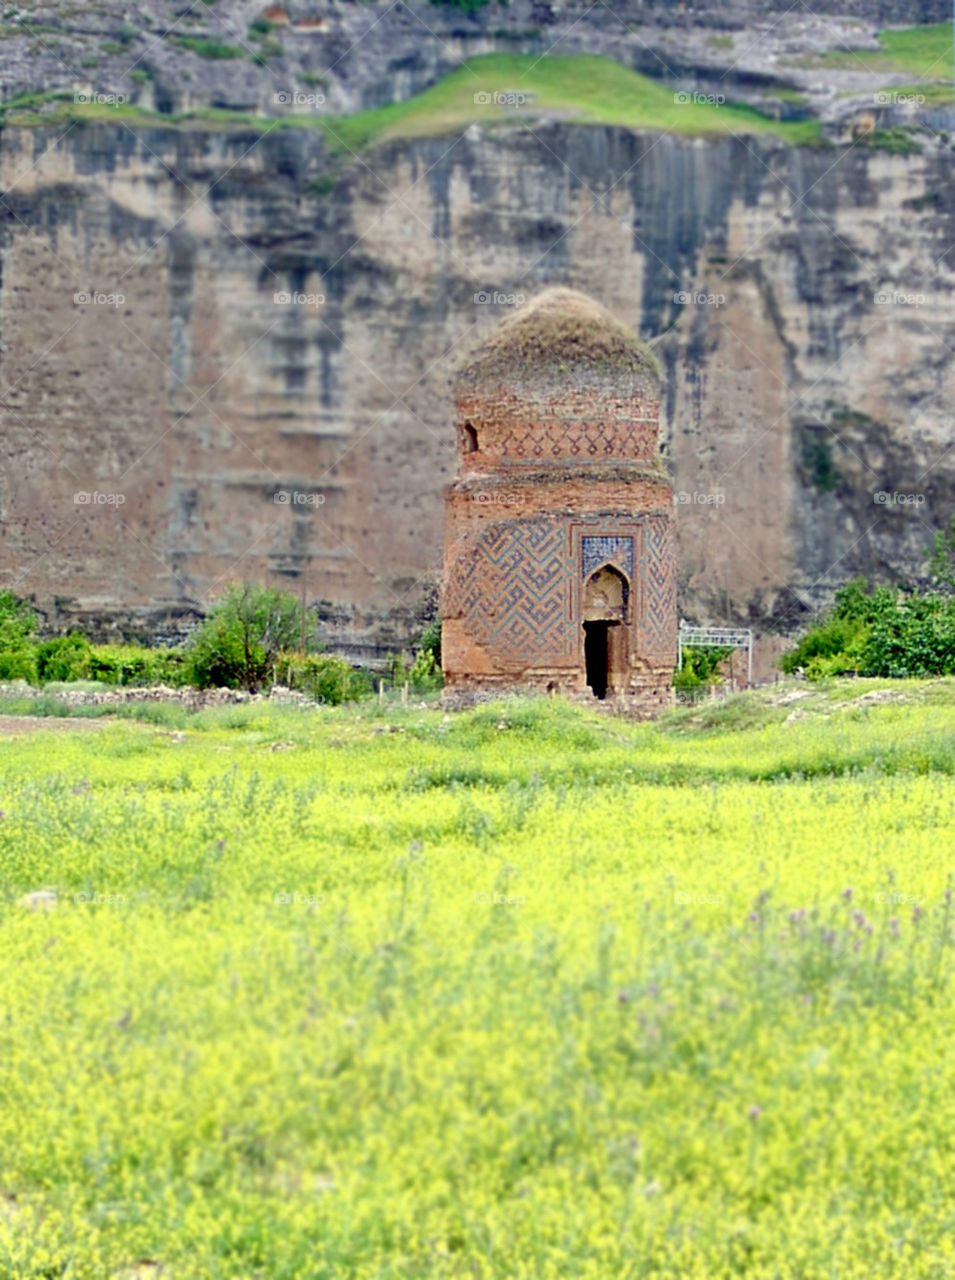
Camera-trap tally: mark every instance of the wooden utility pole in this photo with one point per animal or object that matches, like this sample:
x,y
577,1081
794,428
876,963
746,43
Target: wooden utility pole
x,y
302,634
304,585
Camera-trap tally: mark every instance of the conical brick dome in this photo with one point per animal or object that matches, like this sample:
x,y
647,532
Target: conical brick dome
x,y
561,379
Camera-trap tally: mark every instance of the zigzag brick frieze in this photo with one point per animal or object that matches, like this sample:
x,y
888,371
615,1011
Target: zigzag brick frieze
x,y
520,441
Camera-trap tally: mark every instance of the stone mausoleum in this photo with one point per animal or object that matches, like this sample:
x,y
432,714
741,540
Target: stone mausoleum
x,y
559,567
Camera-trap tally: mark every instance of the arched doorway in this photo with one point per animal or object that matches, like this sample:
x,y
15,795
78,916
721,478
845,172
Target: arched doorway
x,y
606,658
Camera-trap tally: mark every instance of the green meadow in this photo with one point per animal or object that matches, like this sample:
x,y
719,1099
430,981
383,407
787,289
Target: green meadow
x,y
522,991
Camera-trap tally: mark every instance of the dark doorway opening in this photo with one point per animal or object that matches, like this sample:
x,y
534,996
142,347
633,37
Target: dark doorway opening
x,y
597,656
470,439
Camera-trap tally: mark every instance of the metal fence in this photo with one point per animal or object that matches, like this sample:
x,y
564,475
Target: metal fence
x,y
716,637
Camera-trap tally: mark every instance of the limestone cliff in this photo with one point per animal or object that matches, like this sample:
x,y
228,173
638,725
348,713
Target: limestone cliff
x,y
343,56
800,301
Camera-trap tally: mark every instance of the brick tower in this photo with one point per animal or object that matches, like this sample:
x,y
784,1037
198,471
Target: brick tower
x,y
559,565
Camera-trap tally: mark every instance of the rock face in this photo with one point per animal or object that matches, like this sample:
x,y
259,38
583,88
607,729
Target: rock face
x,y
339,56
223,357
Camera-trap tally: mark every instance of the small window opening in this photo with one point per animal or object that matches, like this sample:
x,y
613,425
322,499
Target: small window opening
x,y
470,439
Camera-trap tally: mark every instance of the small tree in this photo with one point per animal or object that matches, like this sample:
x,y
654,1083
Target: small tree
x,y
63,658
431,641
243,635
17,623
941,565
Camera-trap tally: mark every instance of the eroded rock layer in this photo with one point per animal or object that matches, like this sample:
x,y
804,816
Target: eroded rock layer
x,y
243,355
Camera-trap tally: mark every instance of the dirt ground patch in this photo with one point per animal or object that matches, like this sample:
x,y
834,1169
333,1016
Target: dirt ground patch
x,y
63,724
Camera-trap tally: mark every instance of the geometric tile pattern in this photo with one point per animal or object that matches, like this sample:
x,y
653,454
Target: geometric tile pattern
x,y
519,589
595,551
512,591
657,618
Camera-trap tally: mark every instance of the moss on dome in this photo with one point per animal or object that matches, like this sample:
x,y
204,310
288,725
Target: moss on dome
x,y
557,334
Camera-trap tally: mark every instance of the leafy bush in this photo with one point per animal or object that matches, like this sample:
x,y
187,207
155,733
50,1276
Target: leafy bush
x,y
699,668
18,664
915,639
469,6
238,644
63,658
327,678
837,664
834,637
941,564
425,675
17,622
882,633
134,665
431,641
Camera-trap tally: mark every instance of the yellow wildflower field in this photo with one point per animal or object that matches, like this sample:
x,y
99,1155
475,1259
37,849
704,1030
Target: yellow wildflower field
x,y
519,992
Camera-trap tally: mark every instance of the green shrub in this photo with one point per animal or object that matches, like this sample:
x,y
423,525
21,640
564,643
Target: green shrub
x,y
134,665
325,676
431,641
18,664
837,664
915,639
881,633
857,601
425,673
18,622
942,559
63,658
699,669
469,6
834,636
238,644
268,49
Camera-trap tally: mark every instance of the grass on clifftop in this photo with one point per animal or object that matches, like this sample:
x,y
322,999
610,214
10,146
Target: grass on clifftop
x,y
588,89
922,52
493,89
